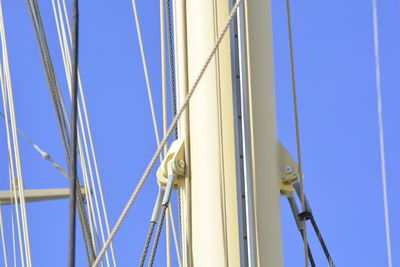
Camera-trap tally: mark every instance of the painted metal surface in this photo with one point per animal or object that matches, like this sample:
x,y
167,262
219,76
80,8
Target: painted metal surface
x,y
212,228
264,144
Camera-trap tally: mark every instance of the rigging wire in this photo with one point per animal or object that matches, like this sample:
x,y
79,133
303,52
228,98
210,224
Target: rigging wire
x,y
13,230
296,119
158,234
74,133
44,154
146,74
13,202
171,218
381,131
169,132
308,215
171,62
14,158
67,65
57,105
153,222
3,239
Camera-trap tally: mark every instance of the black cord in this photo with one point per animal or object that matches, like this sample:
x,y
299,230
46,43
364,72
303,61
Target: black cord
x,y
310,256
322,242
74,111
40,35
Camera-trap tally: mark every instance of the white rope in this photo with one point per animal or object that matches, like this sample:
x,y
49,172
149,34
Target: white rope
x,y
171,218
13,234
3,240
381,132
15,204
66,57
7,92
92,223
169,132
146,74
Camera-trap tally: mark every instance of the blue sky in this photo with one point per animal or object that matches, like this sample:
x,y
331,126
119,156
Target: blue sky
x,y
333,44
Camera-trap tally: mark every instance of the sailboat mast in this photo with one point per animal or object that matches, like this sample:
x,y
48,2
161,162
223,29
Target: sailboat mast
x,y
230,199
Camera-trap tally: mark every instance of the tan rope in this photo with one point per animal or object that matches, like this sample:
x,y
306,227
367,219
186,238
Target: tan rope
x,y
296,119
169,132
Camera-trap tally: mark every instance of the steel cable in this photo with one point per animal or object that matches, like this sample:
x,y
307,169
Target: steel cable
x,y
169,132
158,234
147,244
56,100
296,119
74,134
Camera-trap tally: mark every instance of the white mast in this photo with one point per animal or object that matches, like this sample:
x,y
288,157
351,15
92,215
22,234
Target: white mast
x,y
229,157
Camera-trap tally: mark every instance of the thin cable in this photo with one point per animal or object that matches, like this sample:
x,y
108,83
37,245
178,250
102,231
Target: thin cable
x,y
381,132
14,202
44,154
296,119
158,234
67,66
74,133
147,244
3,239
322,242
8,102
169,132
13,232
171,62
146,74
178,254
58,107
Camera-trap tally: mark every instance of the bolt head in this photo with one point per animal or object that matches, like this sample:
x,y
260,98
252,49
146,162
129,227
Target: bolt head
x,y
288,169
181,163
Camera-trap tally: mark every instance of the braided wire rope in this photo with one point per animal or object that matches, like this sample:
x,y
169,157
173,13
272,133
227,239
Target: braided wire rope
x,y
169,132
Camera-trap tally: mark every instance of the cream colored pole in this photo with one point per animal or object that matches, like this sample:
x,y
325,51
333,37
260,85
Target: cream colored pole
x,y
212,205
215,234
264,144
180,47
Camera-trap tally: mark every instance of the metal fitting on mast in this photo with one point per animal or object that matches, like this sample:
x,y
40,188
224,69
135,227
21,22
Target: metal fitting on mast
x,y
289,172
173,164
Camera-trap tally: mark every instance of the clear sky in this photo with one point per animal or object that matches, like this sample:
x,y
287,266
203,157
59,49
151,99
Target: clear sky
x,y
333,43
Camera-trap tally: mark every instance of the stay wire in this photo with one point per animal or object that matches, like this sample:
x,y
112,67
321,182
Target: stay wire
x,y
296,118
169,132
44,154
158,234
322,242
67,66
171,62
56,100
381,131
147,244
74,133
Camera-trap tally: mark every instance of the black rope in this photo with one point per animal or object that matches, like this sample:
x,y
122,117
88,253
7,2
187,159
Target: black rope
x,y
307,215
59,110
147,244
74,133
157,239
322,242
310,256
